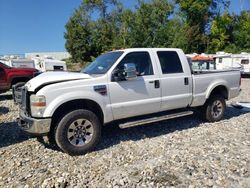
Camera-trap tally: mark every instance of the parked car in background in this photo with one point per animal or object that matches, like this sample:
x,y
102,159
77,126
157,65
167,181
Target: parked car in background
x,y
130,87
10,76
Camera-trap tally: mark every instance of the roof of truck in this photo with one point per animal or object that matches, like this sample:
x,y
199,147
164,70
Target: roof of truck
x,y
134,49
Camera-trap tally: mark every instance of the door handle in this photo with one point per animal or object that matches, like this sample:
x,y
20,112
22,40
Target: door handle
x,y
186,82
156,82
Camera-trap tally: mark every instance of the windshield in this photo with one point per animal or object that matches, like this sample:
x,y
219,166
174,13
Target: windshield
x,y
102,63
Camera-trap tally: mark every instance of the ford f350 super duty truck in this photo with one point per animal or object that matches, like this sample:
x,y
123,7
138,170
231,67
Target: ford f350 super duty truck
x,y
131,87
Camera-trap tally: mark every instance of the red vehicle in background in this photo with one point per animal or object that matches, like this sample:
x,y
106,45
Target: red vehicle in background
x,y
10,76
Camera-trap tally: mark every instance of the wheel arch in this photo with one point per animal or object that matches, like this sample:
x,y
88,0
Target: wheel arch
x,y
71,105
219,89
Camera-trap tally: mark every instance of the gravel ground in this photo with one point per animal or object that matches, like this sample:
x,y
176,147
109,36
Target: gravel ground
x,y
177,153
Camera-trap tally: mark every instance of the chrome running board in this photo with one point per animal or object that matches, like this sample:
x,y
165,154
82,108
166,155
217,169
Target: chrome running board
x,y
154,119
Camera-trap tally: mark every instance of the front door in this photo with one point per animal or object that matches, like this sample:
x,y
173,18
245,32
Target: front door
x,y
139,96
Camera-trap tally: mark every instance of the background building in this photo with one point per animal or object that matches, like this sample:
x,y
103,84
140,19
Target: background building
x,y
54,55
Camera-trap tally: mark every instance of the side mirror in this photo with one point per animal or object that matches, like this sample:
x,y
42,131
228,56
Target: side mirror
x,y
130,71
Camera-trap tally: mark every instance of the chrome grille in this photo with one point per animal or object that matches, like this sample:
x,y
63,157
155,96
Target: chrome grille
x,y
17,94
24,98
20,97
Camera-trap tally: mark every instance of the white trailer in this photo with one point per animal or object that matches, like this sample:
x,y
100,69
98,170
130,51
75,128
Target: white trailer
x,y
244,60
226,61
22,63
49,64
235,61
19,63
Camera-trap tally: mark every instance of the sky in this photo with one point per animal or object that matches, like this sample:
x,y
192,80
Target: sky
x,y
39,25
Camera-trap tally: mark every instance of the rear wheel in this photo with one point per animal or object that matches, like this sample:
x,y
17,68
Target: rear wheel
x,y
78,132
214,108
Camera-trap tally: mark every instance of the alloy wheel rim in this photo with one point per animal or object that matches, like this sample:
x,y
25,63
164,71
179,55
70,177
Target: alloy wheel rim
x,y
80,132
217,108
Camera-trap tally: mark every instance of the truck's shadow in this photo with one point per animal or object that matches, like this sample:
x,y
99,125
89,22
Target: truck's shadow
x,y
3,110
112,135
4,97
245,76
11,134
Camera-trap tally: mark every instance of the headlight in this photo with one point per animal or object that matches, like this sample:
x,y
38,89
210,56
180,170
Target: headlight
x,y
37,105
28,85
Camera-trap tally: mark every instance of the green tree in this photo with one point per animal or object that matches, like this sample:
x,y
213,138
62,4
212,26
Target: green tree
x,y
123,25
177,34
198,15
101,6
78,36
149,26
193,25
241,31
221,32
230,33
86,37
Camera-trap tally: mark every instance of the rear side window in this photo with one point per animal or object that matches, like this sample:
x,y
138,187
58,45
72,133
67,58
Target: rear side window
x,y
170,62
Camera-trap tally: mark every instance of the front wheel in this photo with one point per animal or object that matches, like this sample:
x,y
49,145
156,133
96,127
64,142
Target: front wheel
x,y
78,132
214,109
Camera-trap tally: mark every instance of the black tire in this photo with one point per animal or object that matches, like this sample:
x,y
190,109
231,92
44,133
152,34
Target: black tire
x,y
51,139
214,108
67,138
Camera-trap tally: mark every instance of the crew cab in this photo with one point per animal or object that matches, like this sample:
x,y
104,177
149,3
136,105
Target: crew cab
x,y
130,87
10,76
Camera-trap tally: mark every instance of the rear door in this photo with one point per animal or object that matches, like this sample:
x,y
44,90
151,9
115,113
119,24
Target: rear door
x,y
176,80
139,96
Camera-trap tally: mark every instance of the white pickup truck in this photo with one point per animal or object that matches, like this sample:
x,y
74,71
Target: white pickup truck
x,y
131,87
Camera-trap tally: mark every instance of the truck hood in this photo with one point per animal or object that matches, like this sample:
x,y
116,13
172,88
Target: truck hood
x,y
54,77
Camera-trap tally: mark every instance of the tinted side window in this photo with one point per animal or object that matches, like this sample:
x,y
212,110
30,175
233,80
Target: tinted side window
x,y
170,62
142,62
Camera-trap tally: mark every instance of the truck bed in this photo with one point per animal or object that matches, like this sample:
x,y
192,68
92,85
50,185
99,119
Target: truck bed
x,y
197,72
206,80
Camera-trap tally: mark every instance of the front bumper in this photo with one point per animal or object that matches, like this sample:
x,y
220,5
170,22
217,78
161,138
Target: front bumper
x,y
245,73
34,126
